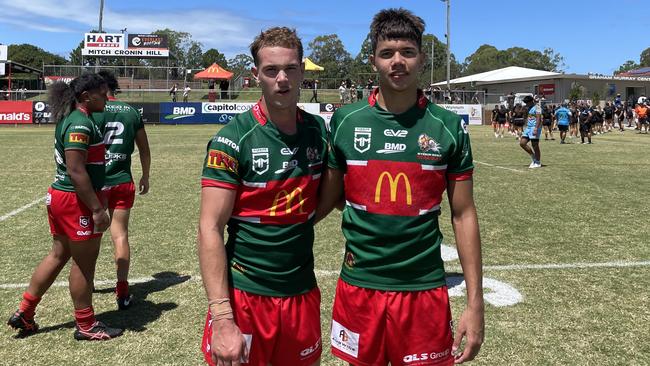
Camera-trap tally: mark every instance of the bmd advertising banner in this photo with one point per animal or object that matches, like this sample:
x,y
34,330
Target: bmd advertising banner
x,y
181,113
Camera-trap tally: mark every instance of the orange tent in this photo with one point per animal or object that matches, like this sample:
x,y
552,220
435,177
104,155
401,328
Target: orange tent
x,y
214,72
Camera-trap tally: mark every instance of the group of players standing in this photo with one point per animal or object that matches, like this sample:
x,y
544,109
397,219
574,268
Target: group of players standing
x,y
268,177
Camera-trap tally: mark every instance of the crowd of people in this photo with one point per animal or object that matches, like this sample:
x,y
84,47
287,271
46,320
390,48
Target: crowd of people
x,y
268,176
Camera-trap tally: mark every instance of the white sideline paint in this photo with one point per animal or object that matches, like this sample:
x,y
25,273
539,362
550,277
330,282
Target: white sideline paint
x,y
19,210
499,167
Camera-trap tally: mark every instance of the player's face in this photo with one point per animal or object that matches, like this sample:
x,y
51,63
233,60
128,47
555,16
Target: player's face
x,y
398,62
279,73
95,99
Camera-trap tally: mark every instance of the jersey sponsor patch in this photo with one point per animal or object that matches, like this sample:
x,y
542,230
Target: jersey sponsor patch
x,y
78,137
218,159
344,339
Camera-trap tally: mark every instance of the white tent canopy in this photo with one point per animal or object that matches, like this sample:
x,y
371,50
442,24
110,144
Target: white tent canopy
x,y
507,73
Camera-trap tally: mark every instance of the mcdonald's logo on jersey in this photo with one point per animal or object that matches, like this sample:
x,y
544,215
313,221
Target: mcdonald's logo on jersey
x,y
220,160
393,183
80,138
288,201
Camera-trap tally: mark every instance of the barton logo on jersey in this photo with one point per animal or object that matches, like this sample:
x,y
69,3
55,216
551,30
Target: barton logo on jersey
x,y
260,160
362,136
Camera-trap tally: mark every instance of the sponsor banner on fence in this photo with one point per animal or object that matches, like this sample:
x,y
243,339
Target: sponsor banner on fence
x,y
103,41
326,110
148,41
110,52
313,108
181,113
470,113
150,112
4,50
41,112
220,108
49,80
15,112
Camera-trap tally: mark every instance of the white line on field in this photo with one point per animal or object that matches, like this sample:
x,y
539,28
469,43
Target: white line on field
x,y
327,273
499,167
19,210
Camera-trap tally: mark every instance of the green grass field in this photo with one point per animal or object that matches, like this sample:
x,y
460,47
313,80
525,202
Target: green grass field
x,y
569,238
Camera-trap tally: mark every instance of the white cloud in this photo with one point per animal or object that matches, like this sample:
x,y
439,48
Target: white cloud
x,y
228,32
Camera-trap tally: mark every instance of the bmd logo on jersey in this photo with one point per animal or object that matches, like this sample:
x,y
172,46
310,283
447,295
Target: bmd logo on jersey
x,y
288,200
260,160
362,136
392,184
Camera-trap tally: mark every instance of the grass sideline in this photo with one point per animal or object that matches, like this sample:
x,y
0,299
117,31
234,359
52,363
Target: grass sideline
x,y
586,205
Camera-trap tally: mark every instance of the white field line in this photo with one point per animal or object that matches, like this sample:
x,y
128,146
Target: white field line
x,y
21,209
499,167
327,273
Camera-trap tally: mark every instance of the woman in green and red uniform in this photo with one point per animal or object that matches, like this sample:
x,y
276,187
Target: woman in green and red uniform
x,y
75,207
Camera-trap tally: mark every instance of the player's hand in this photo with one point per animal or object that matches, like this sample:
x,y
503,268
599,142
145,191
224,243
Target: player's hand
x,y
101,220
228,346
471,327
144,185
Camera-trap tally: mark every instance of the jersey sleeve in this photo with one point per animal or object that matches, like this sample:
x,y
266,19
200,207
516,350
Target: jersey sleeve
x,y
460,165
221,163
78,135
335,156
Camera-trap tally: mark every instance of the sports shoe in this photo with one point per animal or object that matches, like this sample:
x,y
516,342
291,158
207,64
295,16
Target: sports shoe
x,y
99,332
124,303
535,165
24,325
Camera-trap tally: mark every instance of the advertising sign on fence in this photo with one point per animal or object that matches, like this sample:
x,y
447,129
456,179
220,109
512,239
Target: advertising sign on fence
x,y
181,113
15,112
41,112
470,113
150,112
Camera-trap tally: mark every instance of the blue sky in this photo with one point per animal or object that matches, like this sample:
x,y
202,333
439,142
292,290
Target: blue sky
x,y
593,36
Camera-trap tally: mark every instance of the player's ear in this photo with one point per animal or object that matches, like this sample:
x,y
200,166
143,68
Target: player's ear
x,y
371,60
255,73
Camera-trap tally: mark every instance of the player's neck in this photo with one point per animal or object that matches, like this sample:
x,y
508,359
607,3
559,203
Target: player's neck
x,y
395,101
283,118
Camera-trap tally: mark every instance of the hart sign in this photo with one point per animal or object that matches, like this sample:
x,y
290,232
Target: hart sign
x,y
103,41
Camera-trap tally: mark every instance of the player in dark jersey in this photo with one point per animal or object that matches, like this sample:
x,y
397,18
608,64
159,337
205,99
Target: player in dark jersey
x,y
608,113
260,178
619,112
502,119
395,153
573,122
75,207
547,122
585,124
123,128
518,118
493,118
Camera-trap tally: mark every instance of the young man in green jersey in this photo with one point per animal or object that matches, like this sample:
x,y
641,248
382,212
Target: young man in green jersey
x,y
260,179
391,158
123,128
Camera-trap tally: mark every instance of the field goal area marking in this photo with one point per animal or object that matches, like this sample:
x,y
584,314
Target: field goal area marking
x,y
499,167
21,209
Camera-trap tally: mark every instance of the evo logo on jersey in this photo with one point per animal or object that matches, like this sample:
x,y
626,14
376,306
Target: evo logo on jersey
x,y
288,152
392,148
362,136
344,339
260,160
392,133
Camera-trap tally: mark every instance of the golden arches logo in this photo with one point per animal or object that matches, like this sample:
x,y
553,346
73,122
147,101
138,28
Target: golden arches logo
x,y
289,197
392,182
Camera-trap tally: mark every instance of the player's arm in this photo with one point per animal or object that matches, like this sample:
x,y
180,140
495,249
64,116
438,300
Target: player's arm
x,y
465,223
76,167
227,343
330,194
145,159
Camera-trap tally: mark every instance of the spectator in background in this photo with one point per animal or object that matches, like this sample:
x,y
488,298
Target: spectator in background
x,y
359,91
617,100
186,93
510,98
172,92
223,86
641,111
342,92
314,95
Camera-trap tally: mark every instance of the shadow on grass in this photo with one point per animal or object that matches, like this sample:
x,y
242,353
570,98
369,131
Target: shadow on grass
x,y
141,312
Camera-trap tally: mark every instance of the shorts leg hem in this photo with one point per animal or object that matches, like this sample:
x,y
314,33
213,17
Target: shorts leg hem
x,y
347,358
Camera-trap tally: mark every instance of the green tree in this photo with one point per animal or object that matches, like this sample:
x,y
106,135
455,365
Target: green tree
x,y
240,64
645,57
627,66
213,55
328,51
194,56
33,56
439,61
179,44
488,57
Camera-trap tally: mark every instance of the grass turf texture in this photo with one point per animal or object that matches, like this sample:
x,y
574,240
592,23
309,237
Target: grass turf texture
x,y
585,205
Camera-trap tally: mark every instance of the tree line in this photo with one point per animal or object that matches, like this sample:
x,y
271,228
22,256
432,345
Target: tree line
x,y
325,50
